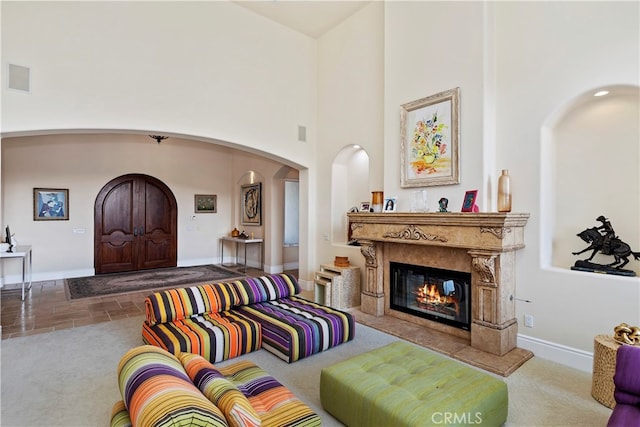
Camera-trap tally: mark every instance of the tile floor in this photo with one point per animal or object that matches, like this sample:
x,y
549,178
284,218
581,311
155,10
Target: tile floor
x,y
47,308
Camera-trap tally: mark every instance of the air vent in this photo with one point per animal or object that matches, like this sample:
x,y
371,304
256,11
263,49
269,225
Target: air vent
x,y
19,78
302,133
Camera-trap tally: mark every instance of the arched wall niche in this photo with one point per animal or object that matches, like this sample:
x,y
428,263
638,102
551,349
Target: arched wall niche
x,y
590,152
349,187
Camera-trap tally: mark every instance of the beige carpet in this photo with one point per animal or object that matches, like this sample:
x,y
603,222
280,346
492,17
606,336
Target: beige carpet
x,y
68,378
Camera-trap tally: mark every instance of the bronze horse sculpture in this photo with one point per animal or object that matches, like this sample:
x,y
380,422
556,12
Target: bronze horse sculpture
x,y
607,245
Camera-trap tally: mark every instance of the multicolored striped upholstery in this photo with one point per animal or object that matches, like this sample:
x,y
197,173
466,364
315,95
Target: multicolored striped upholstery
x,y
266,288
294,328
182,303
160,389
224,320
120,415
215,336
274,403
223,393
157,391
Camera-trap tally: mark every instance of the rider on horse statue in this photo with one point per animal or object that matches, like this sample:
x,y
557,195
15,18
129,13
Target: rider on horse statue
x,y
609,234
603,239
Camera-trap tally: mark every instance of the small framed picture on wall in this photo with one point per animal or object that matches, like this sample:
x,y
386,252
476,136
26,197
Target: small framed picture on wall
x,y
205,203
50,204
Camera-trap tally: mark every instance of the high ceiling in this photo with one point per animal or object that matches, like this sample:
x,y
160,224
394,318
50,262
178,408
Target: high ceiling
x,y
312,18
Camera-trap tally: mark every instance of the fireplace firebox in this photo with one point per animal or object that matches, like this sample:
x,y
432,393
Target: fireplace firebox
x,y
438,295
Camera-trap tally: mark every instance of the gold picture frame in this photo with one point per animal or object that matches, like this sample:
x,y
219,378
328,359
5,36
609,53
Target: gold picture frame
x,y
429,140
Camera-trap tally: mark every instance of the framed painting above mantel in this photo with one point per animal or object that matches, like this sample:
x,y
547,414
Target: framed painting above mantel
x,y
429,134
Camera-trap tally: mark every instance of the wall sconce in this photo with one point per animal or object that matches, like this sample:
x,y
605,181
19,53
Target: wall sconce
x,y
158,138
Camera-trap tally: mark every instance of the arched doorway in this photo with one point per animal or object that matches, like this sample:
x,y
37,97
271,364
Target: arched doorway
x,y
135,223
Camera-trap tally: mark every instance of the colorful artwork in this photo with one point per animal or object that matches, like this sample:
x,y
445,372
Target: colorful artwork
x,y
429,147
429,136
50,204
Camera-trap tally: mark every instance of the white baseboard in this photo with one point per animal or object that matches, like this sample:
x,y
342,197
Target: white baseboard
x,y
573,357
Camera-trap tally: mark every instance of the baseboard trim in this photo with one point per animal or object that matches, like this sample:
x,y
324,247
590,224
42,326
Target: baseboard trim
x,y
576,358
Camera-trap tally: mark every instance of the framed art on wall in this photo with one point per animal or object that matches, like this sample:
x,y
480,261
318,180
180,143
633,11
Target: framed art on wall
x,y
429,133
251,200
50,204
205,203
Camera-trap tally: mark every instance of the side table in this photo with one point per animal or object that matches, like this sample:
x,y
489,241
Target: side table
x,y
245,242
604,366
337,287
23,252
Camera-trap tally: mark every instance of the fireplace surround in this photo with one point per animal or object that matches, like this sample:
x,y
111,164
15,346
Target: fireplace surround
x,y
481,244
439,295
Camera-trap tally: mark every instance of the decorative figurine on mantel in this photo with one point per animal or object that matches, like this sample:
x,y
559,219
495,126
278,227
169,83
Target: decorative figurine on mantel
x,y
443,203
603,239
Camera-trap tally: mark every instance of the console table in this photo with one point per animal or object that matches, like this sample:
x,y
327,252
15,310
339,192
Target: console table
x,y
245,242
23,252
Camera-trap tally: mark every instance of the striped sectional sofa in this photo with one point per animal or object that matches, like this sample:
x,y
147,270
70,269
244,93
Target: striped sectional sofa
x,y
220,321
161,389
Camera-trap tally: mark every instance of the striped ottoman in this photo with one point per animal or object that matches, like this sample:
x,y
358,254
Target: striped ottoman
x,y
404,385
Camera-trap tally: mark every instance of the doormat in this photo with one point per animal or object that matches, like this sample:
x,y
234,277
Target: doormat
x,y
116,283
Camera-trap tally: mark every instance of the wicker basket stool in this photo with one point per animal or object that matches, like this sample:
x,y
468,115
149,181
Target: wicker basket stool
x,y
604,366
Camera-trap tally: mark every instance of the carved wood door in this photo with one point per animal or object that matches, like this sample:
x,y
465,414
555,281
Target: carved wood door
x,y
135,223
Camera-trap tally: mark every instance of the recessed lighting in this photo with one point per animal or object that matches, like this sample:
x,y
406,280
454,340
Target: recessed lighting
x,y
601,93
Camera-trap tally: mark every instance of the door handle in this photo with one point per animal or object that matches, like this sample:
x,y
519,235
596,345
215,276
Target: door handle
x,y
141,231
135,231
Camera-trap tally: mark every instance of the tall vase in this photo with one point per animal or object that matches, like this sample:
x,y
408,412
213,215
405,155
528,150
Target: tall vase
x,y
504,192
377,197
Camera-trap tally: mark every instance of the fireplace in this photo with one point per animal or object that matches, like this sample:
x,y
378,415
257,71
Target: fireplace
x,y
482,245
436,294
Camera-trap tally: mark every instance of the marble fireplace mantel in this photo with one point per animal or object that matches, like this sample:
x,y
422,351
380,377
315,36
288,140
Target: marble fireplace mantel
x,y
483,244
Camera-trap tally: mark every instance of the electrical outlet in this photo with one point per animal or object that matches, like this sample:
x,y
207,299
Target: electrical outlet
x,y
528,320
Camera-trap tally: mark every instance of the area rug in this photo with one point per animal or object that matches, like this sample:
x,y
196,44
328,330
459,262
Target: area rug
x,y
115,283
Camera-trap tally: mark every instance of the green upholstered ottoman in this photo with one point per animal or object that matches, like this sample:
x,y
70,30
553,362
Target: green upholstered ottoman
x,y
404,385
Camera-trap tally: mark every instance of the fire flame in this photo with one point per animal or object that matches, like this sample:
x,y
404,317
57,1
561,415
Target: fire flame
x,y
429,294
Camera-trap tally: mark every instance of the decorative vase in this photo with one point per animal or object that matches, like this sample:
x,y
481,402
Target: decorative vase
x,y
419,201
377,197
504,192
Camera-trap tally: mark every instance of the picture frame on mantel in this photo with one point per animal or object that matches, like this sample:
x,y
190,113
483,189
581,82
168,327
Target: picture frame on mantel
x,y
429,140
251,200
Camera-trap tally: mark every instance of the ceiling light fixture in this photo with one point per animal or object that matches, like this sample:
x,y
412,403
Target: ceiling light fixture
x,y
601,93
158,138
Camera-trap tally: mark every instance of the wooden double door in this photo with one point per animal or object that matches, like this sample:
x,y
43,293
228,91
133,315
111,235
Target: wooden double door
x,y
135,225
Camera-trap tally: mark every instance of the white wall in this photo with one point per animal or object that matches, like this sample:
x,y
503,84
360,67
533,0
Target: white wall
x,y
547,54
516,64
427,52
350,111
211,71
